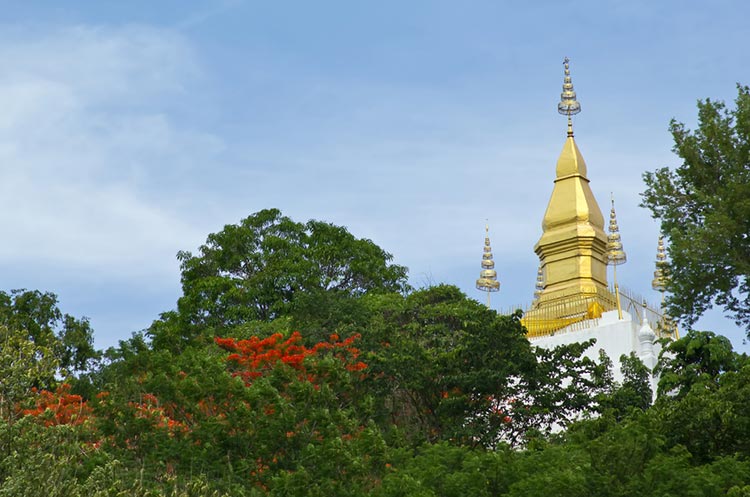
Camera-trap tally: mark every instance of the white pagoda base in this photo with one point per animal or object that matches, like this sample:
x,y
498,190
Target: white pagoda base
x,y
615,336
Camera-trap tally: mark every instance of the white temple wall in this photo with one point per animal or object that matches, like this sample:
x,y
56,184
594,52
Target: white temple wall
x,y
615,336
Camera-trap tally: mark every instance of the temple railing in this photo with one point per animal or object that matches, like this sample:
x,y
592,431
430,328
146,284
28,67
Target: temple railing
x,y
638,307
577,312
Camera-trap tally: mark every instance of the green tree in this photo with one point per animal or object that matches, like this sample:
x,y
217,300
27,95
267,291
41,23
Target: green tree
x,y
23,364
443,363
255,269
633,393
703,392
704,209
38,317
446,470
444,367
269,266
695,360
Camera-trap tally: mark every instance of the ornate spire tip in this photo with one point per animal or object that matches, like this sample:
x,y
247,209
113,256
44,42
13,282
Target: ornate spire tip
x,y
568,105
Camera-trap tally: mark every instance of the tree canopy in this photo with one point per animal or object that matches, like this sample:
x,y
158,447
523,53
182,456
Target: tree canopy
x,y
268,266
36,316
704,209
352,386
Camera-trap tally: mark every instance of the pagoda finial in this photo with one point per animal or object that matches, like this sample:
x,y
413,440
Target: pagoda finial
x,y
659,283
568,105
615,254
487,281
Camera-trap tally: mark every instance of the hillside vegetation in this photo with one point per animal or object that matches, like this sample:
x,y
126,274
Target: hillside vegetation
x,y
299,362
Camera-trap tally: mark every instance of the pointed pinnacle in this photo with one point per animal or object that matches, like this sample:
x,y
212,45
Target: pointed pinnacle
x,y
568,105
487,281
615,254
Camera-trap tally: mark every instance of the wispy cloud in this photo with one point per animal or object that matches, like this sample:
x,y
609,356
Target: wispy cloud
x,y
89,154
199,16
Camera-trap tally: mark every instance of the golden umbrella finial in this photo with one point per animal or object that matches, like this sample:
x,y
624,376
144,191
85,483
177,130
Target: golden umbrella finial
x,y
487,281
568,105
615,253
659,283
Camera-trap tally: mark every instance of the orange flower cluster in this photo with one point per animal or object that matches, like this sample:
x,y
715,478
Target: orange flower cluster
x,y
255,356
59,407
161,416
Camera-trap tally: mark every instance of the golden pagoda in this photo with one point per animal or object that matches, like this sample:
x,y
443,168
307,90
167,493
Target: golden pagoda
x,y
573,247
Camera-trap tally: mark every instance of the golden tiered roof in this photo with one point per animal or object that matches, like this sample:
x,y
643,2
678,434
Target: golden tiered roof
x,y
573,247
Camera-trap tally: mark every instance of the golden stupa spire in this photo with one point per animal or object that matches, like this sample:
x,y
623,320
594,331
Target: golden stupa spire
x,y
615,254
573,246
659,283
568,105
487,281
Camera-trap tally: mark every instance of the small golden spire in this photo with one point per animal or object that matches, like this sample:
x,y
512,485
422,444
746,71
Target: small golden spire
x,y
615,254
659,283
539,283
487,281
568,105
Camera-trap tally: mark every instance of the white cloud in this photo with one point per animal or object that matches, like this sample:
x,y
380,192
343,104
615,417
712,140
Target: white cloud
x,y
100,65
90,158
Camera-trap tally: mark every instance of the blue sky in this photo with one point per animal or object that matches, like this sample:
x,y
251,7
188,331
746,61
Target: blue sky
x,y
131,130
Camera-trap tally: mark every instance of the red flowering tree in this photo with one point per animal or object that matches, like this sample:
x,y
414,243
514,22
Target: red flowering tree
x,y
249,359
60,407
249,410
282,374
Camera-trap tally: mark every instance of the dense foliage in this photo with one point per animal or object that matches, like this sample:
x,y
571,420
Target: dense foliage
x,y
704,209
260,268
364,390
